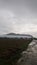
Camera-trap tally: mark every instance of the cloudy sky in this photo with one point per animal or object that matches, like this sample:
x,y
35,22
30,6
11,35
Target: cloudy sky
x,y
18,16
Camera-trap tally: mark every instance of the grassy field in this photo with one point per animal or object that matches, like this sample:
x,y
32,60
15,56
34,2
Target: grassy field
x,y
10,50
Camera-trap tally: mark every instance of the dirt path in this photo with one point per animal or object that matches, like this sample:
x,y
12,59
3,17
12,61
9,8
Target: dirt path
x,y
29,57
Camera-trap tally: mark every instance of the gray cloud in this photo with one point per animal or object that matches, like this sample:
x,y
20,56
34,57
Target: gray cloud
x,y
23,8
18,16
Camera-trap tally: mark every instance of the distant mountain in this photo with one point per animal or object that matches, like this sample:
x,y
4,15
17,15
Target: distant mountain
x,y
14,35
18,34
11,34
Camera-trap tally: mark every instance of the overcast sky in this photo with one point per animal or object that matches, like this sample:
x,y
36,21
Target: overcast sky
x,y
18,16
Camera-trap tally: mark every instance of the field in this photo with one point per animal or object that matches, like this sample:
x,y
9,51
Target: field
x,y
10,50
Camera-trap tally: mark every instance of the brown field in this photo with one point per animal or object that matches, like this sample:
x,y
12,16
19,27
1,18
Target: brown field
x,y
10,50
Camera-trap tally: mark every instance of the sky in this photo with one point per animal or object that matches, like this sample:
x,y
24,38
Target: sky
x,y
18,16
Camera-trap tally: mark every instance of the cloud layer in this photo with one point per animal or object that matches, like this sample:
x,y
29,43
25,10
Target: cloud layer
x,y
19,16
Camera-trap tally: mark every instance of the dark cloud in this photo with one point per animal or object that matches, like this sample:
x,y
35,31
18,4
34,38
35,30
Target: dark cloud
x,y
20,7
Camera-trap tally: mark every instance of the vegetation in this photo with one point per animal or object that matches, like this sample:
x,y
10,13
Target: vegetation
x,y
10,50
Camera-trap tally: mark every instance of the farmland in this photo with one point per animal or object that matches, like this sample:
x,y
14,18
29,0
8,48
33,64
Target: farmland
x,y
11,48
